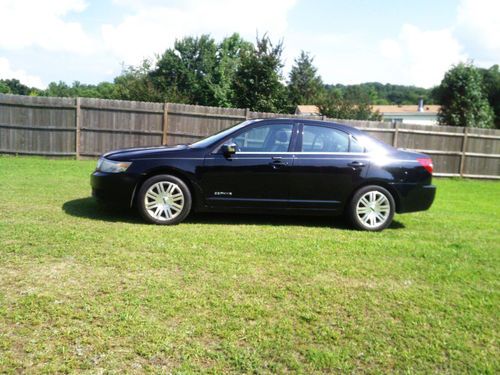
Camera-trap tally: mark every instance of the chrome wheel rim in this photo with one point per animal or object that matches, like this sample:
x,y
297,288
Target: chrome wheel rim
x,y
164,201
373,209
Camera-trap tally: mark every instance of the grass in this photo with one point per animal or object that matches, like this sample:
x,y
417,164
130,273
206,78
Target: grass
x,y
93,291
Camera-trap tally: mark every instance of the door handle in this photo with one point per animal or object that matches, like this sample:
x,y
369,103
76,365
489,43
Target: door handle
x,y
356,164
277,162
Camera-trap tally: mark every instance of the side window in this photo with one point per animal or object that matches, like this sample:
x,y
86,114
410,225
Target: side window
x,y
265,138
354,146
323,139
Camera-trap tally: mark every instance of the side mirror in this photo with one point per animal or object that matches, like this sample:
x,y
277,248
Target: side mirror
x,y
229,149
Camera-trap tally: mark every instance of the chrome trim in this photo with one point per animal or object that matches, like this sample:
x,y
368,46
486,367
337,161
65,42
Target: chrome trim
x,y
298,153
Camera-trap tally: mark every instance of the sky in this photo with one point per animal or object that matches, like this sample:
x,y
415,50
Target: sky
x,y
401,42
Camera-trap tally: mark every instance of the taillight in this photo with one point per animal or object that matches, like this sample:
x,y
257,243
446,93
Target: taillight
x,y
427,164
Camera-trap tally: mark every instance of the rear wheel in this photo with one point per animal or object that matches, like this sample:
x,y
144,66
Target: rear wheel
x,y
371,208
164,199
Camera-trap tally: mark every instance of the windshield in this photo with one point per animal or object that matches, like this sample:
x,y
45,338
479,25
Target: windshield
x,y
213,139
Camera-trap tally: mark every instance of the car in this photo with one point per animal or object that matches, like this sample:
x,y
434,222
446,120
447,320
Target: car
x,y
277,165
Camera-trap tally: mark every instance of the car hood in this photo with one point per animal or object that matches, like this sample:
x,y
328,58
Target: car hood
x,y
128,154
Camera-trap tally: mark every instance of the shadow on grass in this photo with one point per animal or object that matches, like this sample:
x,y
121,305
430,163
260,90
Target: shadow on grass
x,y
89,208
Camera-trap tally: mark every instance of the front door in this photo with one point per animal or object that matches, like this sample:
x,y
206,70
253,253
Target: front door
x,y
257,175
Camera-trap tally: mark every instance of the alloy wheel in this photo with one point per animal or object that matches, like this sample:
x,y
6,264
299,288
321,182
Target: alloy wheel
x,y
373,209
164,201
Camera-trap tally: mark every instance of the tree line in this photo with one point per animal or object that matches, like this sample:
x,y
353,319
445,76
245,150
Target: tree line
x,y
238,73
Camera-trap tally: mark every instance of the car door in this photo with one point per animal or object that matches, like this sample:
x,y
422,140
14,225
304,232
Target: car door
x,y
257,175
328,164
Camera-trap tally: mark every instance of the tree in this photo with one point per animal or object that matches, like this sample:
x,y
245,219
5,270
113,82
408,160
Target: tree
x,y
354,103
304,86
185,73
258,83
229,54
491,79
462,97
14,86
4,89
134,83
391,94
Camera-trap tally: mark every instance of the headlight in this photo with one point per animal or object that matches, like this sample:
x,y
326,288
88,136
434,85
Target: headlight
x,y
111,166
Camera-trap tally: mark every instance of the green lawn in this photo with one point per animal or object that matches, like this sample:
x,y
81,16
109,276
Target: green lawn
x,y
87,290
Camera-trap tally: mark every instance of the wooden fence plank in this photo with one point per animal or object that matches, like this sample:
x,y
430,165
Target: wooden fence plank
x,y
396,133
78,125
165,124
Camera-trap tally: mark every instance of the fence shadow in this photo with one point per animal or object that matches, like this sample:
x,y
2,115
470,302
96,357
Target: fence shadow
x,y
88,208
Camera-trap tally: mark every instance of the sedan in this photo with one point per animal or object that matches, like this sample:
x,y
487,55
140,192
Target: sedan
x,y
270,166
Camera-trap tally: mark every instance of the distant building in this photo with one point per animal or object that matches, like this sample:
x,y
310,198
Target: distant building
x,y
409,114
307,110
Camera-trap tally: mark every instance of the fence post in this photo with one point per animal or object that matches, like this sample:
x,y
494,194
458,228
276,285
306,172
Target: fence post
x,y
78,120
165,124
247,113
464,150
396,133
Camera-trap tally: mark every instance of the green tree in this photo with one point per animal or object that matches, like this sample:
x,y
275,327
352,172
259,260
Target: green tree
x,y
185,73
228,59
4,88
13,86
104,90
305,85
491,79
134,83
462,97
391,94
258,81
354,103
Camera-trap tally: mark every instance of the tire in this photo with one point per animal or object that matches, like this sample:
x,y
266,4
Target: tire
x,y
164,200
371,208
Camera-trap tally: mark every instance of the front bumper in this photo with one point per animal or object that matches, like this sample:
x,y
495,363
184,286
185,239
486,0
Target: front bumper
x,y
414,197
113,188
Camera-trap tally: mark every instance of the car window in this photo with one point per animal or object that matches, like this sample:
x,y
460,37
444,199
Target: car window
x,y
265,138
354,146
324,139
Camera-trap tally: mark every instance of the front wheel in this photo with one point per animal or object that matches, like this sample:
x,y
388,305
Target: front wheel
x,y
371,208
164,199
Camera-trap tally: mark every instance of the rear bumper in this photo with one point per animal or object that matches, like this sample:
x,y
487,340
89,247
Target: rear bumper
x,y
414,197
113,188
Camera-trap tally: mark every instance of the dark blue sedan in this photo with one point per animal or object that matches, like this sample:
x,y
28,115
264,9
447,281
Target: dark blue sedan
x,y
272,166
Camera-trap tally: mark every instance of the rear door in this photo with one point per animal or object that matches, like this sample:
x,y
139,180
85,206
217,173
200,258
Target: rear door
x,y
257,175
328,164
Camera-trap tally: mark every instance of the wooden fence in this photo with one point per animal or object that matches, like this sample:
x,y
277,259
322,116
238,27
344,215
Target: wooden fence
x,y
84,127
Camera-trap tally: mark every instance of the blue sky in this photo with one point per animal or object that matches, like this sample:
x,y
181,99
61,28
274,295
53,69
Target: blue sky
x,y
402,42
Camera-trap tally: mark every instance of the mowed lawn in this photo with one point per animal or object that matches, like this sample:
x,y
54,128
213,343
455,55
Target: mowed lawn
x,y
93,291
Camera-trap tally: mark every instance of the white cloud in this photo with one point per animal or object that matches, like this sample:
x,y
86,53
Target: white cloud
x,y
7,72
152,27
479,26
421,57
28,23
329,50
